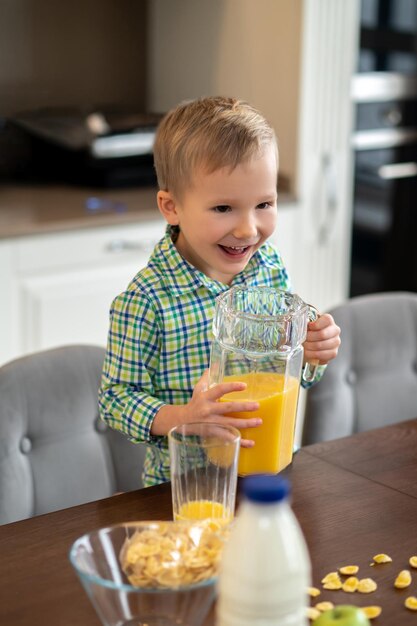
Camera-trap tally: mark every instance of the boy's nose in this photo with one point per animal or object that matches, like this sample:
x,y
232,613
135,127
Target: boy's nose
x,y
246,228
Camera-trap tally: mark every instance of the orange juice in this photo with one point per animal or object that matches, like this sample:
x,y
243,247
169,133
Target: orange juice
x,y
203,509
274,440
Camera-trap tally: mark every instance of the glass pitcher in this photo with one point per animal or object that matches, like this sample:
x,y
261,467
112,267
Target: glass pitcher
x,y
258,336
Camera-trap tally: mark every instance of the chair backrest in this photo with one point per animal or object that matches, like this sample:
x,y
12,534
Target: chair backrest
x,y
373,380
55,452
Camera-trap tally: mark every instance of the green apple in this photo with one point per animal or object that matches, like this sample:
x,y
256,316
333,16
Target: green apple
x,y
342,615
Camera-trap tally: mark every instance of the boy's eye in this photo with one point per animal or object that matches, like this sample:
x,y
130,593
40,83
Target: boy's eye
x,y
263,205
222,208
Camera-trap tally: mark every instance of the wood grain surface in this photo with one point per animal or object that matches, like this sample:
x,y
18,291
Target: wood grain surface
x,y
354,497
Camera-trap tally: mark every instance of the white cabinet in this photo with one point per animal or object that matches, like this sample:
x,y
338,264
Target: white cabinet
x,y
59,287
328,61
285,238
69,307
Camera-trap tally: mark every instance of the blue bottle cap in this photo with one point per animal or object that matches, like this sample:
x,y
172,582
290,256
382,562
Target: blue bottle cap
x,y
266,488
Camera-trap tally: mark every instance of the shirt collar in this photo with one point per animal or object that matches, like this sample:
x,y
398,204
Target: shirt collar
x,y
180,276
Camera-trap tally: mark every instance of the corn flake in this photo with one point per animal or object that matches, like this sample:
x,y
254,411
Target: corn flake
x,y
366,585
411,603
372,611
351,584
333,585
403,579
382,558
349,570
312,613
313,592
331,577
324,606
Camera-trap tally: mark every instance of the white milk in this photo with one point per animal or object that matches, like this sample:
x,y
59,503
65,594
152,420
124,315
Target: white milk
x,y
265,569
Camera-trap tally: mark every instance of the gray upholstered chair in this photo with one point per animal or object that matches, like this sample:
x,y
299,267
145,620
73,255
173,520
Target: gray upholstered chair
x,y
55,452
373,380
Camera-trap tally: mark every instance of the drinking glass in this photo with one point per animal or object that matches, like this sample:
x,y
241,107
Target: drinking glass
x,y
204,461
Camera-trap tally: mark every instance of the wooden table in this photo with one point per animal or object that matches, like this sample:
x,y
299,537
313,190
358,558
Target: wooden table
x,y
354,497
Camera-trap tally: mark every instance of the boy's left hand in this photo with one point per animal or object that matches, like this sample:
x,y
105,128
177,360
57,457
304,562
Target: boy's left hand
x,y
323,340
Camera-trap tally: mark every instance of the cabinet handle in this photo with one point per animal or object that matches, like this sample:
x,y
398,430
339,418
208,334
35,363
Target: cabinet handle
x,y
126,245
392,171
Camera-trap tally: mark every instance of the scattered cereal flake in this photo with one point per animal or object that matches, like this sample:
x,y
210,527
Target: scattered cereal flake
x,y
333,585
312,613
411,603
403,579
313,592
332,576
324,606
366,585
372,611
351,584
413,561
349,570
332,581
382,558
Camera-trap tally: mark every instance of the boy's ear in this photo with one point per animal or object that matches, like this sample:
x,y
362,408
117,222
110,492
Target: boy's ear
x,y
168,207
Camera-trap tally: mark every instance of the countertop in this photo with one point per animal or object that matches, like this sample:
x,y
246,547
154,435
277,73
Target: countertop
x,y
32,210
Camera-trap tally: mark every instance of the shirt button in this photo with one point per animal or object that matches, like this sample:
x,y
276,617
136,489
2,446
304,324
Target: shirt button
x,y
25,445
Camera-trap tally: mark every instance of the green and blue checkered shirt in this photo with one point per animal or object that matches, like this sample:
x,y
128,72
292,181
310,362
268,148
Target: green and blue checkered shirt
x,y
159,342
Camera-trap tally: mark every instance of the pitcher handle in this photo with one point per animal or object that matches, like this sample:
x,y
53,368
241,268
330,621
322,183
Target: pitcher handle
x,y
310,368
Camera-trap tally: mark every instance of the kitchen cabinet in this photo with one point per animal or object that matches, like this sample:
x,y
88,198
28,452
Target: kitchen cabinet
x,y
328,61
58,287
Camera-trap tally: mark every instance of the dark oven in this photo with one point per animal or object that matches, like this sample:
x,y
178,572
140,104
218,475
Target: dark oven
x,y
384,224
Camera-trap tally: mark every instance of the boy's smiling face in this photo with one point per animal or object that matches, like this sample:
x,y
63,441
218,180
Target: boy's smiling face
x,y
225,215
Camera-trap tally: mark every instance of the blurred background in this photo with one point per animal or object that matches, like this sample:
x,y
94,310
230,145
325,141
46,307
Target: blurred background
x,y
83,86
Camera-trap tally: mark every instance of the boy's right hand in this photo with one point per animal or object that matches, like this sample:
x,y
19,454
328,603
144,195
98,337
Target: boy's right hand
x,y
204,406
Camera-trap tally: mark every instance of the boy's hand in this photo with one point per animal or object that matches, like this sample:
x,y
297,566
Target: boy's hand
x,y
323,340
204,406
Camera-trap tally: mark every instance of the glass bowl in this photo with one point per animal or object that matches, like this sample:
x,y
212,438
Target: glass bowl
x,y
150,573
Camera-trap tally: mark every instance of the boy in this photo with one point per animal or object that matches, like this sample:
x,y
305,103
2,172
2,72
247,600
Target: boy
x,y
217,165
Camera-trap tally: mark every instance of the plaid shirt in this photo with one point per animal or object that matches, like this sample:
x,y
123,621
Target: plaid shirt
x,y
159,342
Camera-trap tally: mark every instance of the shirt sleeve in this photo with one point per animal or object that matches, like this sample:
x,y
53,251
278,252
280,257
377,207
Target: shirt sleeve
x,y
318,376
127,399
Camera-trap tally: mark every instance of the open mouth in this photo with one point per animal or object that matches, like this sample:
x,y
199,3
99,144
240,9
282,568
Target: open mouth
x,y
235,251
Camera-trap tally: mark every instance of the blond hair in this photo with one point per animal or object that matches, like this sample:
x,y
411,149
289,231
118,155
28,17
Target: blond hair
x,y
208,133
